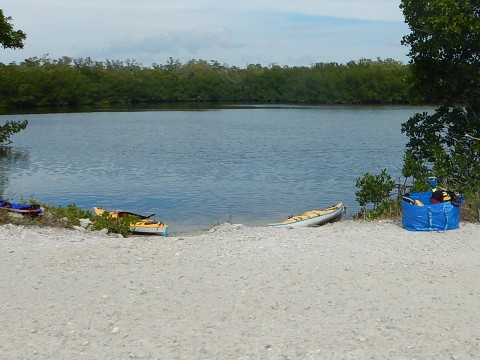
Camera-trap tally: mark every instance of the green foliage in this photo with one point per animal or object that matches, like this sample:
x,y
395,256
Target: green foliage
x,y
445,63
437,145
10,128
10,38
105,221
388,209
51,216
118,225
77,82
60,216
70,212
375,189
444,49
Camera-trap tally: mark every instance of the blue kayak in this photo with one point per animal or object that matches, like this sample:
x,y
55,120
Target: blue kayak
x,y
26,209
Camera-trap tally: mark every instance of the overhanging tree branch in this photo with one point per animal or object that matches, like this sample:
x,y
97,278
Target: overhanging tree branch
x,y
472,137
10,38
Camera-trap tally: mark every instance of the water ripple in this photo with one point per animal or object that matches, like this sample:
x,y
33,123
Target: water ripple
x,y
197,168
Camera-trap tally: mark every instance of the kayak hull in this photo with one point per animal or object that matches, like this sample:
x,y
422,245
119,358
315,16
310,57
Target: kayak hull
x,y
313,217
144,226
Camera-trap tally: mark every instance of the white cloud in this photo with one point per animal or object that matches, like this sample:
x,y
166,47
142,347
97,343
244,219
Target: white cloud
x,y
350,9
286,32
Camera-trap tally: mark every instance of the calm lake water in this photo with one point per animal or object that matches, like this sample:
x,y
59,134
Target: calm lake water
x,y
198,168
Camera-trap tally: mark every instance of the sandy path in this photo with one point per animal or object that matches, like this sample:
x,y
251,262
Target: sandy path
x,y
349,290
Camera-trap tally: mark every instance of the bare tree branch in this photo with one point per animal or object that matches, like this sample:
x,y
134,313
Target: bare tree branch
x,y
472,137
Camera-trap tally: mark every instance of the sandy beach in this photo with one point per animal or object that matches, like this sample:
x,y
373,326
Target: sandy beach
x,y
348,290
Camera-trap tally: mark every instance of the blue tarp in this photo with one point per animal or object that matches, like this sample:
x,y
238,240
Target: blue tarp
x,y
430,217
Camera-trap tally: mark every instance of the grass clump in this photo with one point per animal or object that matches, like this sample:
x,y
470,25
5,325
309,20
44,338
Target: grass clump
x,y
386,210
69,215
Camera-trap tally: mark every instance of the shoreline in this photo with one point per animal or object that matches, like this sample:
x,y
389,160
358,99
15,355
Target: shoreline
x,y
346,290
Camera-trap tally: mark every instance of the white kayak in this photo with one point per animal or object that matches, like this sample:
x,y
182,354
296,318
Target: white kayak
x,y
313,217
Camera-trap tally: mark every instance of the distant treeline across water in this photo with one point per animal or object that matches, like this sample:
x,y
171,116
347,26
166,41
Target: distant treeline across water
x,y
41,82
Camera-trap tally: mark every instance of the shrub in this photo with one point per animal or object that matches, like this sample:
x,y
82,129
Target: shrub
x,y
374,189
118,225
72,213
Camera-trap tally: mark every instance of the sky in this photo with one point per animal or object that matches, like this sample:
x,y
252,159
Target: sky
x,y
231,32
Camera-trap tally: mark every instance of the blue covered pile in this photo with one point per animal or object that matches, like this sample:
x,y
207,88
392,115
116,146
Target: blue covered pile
x,y
429,217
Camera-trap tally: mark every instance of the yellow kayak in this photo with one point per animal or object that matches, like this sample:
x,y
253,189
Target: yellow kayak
x,y
313,217
144,225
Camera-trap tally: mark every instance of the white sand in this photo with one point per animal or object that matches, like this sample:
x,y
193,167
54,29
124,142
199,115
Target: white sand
x,y
349,290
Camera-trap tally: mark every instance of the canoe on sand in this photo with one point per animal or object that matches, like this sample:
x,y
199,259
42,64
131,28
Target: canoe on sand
x,y
144,224
313,217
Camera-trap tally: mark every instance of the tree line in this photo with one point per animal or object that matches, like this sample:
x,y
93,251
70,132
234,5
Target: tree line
x,y
81,81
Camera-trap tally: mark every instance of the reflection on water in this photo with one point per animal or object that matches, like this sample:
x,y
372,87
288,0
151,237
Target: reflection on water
x,y
198,168
9,157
